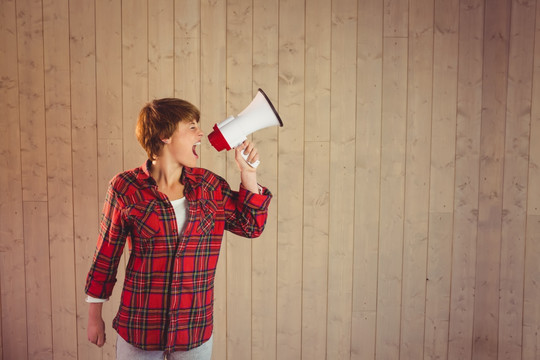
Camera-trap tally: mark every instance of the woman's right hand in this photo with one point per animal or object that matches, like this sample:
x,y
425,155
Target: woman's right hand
x,y
96,326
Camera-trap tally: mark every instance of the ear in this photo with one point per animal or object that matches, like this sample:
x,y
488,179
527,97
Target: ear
x,y
166,141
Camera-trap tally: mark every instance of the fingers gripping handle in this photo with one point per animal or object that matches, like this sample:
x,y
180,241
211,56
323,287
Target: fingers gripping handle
x,y
252,164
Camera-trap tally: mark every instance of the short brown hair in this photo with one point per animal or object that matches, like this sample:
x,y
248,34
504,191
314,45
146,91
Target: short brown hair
x,y
158,120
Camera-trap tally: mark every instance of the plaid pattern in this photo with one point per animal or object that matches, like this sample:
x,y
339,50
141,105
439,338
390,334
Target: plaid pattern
x,y
168,295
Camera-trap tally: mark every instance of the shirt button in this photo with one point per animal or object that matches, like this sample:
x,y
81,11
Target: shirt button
x,y
174,232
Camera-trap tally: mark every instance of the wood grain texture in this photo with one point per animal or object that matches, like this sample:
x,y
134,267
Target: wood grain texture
x,y
515,178
12,278
135,76
404,220
417,175
31,99
442,178
291,177
316,251
392,194
318,59
469,106
187,50
492,139
531,307
342,171
533,200
109,69
59,177
396,18
160,49
38,280
316,180
367,179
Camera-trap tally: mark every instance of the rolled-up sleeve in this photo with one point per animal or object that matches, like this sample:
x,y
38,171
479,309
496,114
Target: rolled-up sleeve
x,y
246,212
112,238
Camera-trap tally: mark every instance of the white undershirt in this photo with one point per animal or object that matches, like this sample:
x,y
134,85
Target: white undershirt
x,y
180,211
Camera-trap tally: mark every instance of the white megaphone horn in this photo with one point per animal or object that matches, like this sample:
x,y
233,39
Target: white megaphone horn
x,y
233,131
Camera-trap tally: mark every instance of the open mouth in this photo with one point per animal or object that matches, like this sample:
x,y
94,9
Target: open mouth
x,y
194,148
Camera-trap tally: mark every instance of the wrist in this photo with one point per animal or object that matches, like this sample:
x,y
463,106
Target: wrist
x,y
249,181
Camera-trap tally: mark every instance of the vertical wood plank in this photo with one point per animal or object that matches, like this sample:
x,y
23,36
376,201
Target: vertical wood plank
x,y
213,110
515,182
492,137
160,49
12,276
109,98
264,250
38,280
394,113
396,18
316,167
531,294
368,170
469,105
315,251
59,173
438,285
445,92
531,306
84,157
34,177
239,95
417,166
533,201
31,99
109,69
318,72
443,153
135,82
1,341
187,50
213,79
291,176
342,169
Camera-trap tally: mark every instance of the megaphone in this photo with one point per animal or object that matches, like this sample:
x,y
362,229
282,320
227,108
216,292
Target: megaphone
x,y
233,131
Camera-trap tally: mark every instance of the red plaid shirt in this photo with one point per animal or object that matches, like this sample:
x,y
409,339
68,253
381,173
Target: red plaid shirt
x,y
168,295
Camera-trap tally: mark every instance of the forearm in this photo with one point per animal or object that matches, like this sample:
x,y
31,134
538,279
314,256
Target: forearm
x,y
95,310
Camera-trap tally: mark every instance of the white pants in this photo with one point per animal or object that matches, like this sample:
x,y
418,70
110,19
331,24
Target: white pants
x,y
126,351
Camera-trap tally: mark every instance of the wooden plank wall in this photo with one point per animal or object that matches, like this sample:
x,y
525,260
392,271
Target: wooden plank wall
x,y
406,216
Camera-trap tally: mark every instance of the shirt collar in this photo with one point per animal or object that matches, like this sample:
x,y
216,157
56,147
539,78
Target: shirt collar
x,y
144,173
145,176
187,173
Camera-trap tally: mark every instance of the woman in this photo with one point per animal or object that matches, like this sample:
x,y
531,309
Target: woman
x,y
172,215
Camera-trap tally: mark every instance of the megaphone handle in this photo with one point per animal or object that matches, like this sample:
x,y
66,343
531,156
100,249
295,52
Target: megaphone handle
x,y
252,164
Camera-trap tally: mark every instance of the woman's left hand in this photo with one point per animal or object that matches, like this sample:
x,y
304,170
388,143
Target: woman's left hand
x,y
248,174
249,150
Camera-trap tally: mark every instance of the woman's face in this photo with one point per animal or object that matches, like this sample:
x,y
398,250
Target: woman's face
x,y
183,143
